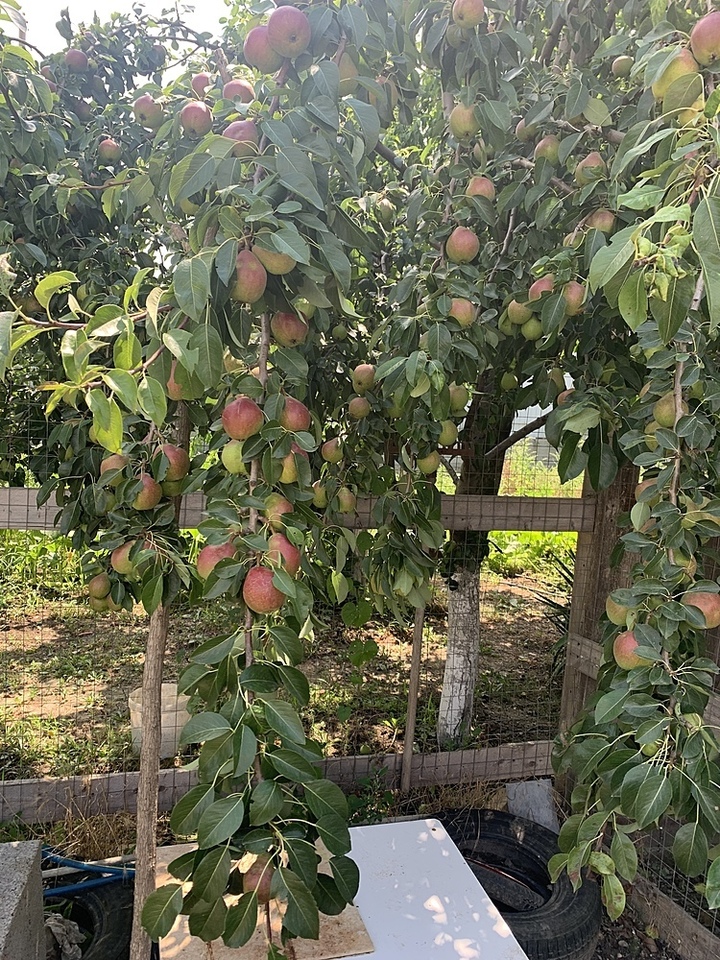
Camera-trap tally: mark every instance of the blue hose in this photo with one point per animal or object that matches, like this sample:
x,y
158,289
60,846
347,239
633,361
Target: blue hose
x,y
107,874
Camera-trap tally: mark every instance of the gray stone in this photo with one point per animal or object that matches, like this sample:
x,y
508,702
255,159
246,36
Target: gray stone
x,y
533,799
22,928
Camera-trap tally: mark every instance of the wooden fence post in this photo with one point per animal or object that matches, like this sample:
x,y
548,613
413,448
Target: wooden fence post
x,y
594,579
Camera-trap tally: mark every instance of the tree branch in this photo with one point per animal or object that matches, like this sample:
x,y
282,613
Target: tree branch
x,y
392,158
517,437
555,31
555,181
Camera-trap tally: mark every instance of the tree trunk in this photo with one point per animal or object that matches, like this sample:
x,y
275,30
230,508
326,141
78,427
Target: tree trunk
x,y
488,423
147,799
463,643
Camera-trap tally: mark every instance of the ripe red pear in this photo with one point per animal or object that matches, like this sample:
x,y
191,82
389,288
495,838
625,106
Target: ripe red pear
x,y
148,112
76,60
242,418
281,552
288,31
259,592
481,187
278,264
468,13
462,122
331,451
211,554
115,461
624,647
246,137
109,150
525,131
120,559
707,603
590,168
99,586
564,396
178,461
258,878
258,52
463,311
602,220
149,495
705,40
200,83
548,148
276,508
616,612
363,377
174,389
250,278
462,245
295,416
542,286
196,119
289,329
574,297
359,408
239,89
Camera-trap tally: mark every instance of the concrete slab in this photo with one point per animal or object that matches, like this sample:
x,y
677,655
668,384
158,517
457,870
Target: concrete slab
x,y
22,929
533,799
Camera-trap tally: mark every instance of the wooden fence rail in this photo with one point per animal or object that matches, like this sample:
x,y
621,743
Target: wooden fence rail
x,y
19,511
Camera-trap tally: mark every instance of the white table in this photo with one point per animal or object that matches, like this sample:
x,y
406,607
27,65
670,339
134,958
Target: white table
x,y
420,900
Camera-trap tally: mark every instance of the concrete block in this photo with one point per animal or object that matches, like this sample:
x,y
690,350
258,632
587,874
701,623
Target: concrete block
x,y
22,928
533,799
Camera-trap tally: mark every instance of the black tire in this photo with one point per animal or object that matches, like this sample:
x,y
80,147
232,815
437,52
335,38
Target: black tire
x,y
509,856
105,914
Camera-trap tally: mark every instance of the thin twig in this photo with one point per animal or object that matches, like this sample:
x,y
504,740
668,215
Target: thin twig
x,y
505,246
445,461
387,154
555,181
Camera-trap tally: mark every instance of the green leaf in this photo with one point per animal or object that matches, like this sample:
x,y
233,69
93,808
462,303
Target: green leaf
x,y
597,113
208,923
671,312
302,917
161,910
347,876
220,821
296,683
211,875
613,896
324,797
241,921
623,852
291,765
610,705
125,386
152,400
327,896
633,300
706,240
295,171
245,752
204,726
52,284
690,849
610,260
191,175
653,798
110,431
266,802
284,720
191,283
209,368
496,113
6,324
334,833
303,860
189,809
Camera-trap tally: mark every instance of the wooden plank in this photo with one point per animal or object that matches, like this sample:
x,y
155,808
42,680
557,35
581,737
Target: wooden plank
x,y
688,938
18,511
51,799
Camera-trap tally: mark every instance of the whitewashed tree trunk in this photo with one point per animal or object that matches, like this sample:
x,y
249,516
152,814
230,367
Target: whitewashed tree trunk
x,y
463,644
